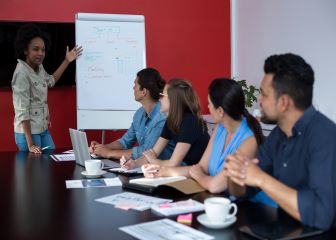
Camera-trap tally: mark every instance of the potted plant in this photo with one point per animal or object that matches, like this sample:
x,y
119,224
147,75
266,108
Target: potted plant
x,y
250,91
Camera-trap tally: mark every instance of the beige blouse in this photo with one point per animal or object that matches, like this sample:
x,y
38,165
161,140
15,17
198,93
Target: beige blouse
x,y
30,92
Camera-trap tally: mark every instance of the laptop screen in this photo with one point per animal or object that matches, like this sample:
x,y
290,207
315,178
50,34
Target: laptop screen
x,y
80,146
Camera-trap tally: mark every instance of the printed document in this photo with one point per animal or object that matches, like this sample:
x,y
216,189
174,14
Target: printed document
x,y
63,157
129,200
180,207
86,183
164,229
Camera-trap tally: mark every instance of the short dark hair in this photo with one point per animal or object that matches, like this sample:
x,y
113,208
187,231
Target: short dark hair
x,y
292,75
228,94
23,37
151,79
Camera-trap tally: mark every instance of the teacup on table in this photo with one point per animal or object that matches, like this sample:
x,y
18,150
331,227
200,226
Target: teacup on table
x,y
93,167
219,209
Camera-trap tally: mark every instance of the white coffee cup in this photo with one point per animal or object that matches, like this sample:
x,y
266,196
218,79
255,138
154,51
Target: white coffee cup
x,y
93,166
218,209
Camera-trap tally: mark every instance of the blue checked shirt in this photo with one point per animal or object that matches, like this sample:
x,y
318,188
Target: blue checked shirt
x,y
146,130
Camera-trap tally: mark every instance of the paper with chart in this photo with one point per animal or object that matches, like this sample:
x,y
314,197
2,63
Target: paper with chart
x,y
128,200
63,157
164,229
179,207
87,183
113,52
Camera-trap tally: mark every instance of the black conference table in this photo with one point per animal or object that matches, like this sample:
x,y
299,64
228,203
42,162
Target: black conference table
x,y
35,204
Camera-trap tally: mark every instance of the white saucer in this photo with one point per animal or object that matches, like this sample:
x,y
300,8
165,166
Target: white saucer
x,y
203,219
99,174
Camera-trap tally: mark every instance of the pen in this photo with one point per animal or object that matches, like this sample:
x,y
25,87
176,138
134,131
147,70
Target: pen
x,y
46,147
125,159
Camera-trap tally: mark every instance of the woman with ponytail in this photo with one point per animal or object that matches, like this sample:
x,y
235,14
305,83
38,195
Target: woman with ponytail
x,y
235,130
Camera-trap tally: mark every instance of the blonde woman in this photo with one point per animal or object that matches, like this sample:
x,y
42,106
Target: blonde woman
x,y
184,126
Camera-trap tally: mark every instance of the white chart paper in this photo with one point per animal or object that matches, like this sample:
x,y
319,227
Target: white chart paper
x,y
164,229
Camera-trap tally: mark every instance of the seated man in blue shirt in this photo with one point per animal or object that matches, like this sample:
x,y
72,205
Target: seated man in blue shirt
x,y
296,165
147,123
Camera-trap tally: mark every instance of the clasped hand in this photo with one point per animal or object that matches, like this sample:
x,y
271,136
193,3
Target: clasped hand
x,y
243,171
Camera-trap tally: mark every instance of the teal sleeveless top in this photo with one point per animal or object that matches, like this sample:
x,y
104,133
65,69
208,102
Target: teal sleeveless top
x,y
217,155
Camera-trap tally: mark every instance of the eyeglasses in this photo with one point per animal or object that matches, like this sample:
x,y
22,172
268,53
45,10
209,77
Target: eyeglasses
x,y
163,94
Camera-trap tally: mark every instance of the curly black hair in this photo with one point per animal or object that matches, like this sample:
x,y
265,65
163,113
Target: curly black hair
x,y
25,34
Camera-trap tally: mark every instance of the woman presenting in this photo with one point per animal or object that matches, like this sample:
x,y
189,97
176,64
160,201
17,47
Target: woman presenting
x,y
30,85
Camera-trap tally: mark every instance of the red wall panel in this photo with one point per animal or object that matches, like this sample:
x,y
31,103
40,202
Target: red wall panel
x,y
188,39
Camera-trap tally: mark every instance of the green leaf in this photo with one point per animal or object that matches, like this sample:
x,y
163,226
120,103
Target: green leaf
x,y
250,91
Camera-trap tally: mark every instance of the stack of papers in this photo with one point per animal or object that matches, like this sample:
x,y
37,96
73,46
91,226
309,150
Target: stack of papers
x,y
63,157
128,200
164,229
174,208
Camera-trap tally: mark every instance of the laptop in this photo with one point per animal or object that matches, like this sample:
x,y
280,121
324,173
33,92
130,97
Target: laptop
x,y
81,150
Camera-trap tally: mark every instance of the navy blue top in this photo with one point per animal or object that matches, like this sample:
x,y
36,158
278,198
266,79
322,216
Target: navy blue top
x,y
306,161
193,132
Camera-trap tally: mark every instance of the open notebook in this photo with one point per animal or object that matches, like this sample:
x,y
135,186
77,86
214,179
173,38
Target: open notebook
x,y
155,182
150,185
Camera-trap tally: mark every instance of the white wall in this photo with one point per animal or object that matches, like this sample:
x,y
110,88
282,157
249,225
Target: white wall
x,y
261,28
